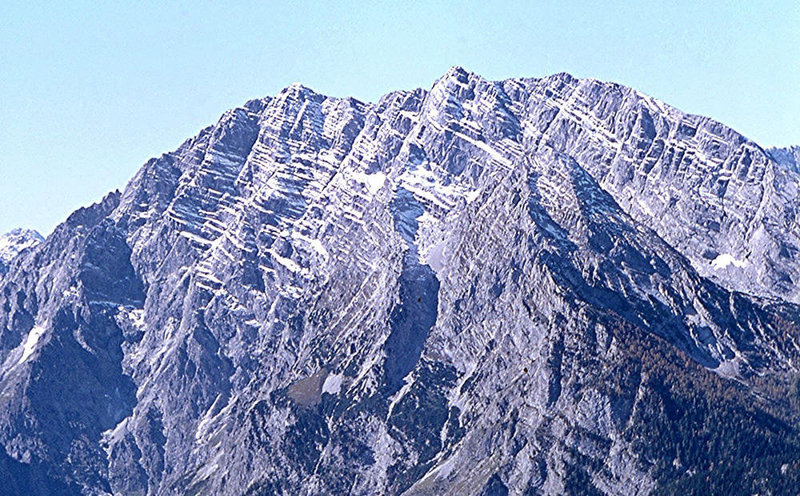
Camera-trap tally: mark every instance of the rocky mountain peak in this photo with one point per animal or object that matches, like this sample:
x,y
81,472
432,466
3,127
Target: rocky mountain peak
x,y
541,286
788,157
14,242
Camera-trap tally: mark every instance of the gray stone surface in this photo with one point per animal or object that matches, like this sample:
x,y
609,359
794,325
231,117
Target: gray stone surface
x,y
14,242
788,157
421,295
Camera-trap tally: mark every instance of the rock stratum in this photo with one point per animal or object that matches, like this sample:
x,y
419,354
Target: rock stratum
x,y
530,286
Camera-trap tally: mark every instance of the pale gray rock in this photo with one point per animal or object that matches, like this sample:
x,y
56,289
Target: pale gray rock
x,y
14,242
788,157
432,294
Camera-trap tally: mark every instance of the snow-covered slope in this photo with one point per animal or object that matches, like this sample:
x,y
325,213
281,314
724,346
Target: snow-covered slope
x,y
539,286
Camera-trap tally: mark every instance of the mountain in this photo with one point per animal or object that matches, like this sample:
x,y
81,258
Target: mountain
x,y
13,242
529,286
788,157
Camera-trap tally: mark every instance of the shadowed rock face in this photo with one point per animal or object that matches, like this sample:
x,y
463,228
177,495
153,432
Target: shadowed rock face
x,y
788,157
413,317
533,286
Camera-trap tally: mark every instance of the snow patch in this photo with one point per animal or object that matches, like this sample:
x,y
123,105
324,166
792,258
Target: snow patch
x,y
320,248
135,316
290,264
727,259
395,399
30,343
729,368
114,435
496,155
435,256
472,196
374,181
333,384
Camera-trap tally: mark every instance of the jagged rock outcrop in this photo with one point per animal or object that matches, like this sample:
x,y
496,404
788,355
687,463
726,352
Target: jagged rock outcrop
x,y
533,286
15,241
788,157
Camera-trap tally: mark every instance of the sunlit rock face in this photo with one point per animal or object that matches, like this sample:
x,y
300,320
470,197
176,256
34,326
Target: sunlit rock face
x,y
532,286
14,242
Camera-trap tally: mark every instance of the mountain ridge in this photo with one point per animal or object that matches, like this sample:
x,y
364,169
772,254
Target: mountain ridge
x,y
483,275
14,242
788,156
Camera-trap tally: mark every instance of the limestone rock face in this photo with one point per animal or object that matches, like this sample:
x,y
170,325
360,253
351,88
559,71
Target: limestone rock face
x,y
14,242
532,286
788,157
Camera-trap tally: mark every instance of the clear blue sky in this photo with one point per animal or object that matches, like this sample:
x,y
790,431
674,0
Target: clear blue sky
x,y
90,90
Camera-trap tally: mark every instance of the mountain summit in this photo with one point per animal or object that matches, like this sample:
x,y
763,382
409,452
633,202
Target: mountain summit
x,y
529,286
